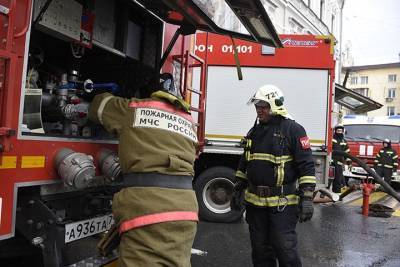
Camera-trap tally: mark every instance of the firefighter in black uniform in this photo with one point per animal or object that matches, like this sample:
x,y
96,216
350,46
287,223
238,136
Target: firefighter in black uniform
x,y
386,161
276,158
339,144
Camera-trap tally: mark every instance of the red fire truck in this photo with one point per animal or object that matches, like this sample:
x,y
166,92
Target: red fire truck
x,y
365,136
59,171
303,69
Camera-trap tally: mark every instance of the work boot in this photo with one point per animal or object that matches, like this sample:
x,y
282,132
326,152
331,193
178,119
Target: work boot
x,y
330,181
344,189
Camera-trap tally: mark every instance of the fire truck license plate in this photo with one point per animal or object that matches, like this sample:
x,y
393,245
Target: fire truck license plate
x,y
358,170
82,229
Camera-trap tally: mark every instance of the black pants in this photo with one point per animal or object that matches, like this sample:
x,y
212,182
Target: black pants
x,y
385,173
338,182
273,236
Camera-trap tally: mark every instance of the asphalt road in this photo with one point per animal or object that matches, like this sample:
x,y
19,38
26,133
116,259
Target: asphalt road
x,y
338,235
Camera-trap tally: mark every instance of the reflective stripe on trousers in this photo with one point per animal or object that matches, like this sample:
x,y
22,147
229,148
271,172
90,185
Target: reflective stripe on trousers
x,y
158,218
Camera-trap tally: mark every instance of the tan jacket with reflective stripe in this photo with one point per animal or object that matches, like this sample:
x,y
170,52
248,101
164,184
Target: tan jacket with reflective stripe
x,y
146,146
154,136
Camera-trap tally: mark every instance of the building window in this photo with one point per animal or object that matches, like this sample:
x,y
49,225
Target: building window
x,y
364,79
353,80
391,93
392,78
295,26
271,14
271,7
390,111
321,9
333,24
362,91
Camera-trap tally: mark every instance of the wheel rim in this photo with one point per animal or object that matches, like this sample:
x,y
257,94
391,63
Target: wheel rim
x,y
216,195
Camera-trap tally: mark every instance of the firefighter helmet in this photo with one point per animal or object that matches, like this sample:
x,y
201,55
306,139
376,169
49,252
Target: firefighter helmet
x,y
272,95
167,84
339,126
388,142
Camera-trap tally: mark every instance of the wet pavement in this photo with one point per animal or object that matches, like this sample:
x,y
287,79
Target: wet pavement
x,y
338,235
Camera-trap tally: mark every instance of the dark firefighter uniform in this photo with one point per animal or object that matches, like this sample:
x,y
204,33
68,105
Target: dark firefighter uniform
x,y
157,209
277,156
339,144
386,162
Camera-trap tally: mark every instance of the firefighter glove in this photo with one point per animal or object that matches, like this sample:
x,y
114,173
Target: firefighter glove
x,y
306,208
237,199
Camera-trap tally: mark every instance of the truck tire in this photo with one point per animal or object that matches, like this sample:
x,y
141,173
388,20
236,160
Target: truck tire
x,y
213,190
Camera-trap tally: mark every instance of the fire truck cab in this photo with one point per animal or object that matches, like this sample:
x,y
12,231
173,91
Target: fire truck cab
x,y
365,137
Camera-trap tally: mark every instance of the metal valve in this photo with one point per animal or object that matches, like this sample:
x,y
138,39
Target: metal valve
x,y
109,164
75,169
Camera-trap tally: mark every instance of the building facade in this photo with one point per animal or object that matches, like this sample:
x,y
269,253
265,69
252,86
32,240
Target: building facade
x,y
380,82
317,17
306,16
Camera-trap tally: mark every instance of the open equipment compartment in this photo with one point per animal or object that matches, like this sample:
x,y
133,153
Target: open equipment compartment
x,y
76,54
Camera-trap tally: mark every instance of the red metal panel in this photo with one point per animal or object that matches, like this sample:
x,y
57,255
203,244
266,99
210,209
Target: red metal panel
x,y
20,22
2,86
300,51
9,177
14,25
6,185
12,93
181,44
7,195
4,24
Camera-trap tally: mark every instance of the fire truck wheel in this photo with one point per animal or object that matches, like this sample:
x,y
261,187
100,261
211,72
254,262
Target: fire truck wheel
x,y
214,189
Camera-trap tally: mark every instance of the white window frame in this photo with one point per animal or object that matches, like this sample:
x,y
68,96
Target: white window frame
x,y
391,93
391,110
362,91
333,18
353,80
295,26
364,80
321,9
392,78
271,9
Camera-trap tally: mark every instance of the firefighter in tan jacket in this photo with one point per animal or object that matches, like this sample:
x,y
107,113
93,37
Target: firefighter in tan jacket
x,y
156,211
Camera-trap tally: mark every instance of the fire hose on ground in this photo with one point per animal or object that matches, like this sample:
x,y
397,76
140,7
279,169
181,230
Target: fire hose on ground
x,y
367,189
371,172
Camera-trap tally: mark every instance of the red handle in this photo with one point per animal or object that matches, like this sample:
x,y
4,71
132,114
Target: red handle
x,y
25,28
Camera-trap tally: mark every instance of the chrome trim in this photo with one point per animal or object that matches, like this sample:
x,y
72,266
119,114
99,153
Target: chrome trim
x,y
4,10
66,139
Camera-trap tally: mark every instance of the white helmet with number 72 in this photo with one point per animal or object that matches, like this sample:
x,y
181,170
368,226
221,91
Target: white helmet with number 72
x,y
273,96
